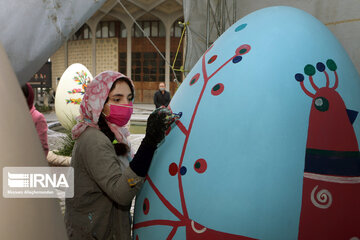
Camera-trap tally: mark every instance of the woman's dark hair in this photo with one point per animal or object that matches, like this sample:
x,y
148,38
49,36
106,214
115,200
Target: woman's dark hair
x,y
128,83
120,148
25,90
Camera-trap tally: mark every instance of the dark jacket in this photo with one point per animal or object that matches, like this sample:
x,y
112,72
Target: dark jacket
x,y
102,194
161,99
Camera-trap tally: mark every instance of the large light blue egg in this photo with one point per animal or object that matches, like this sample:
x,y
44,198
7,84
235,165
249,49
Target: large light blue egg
x,y
239,159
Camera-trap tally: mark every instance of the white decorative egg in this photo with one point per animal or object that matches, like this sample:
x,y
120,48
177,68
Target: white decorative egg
x,y
70,92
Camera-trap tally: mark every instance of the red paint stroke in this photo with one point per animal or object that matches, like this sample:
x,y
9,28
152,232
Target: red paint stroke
x,y
159,222
194,230
222,66
181,127
164,200
305,90
336,81
172,233
313,84
327,79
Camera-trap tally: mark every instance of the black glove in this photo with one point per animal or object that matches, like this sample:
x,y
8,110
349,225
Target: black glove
x,y
157,123
142,159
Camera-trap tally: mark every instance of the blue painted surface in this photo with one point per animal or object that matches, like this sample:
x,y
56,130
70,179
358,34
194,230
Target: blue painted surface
x,y
252,135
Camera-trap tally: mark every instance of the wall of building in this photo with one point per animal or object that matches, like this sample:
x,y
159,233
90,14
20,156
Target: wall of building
x,y
79,51
152,67
57,65
107,55
148,68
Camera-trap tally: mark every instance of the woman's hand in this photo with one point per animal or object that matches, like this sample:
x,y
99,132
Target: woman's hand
x,y
158,122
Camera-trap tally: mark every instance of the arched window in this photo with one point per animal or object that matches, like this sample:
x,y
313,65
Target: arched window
x,y
153,28
177,28
110,29
83,33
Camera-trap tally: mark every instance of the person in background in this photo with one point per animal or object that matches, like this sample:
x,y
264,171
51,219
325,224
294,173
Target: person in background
x,y
37,117
107,173
162,97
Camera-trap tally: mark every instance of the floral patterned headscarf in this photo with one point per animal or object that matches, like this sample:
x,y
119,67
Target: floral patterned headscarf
x,y
92,105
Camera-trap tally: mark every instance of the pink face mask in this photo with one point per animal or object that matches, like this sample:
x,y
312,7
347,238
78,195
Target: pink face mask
x,y
120,114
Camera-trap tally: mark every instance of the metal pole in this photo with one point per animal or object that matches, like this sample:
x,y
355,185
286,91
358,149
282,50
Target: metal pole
x,y
183,56
222,15
207,23
234,11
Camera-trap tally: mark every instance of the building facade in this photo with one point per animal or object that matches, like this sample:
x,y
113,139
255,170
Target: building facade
x,y
110,40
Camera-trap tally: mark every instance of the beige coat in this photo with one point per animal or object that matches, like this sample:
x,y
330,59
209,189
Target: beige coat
x,y
103,192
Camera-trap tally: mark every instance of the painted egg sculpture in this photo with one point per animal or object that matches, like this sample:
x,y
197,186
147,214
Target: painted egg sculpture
x,y
69,93
268,143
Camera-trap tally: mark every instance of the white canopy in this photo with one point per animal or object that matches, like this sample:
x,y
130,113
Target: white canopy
x,y
32,30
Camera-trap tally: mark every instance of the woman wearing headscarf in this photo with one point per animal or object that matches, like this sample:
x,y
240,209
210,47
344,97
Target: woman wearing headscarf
x,y
107,174
37,117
